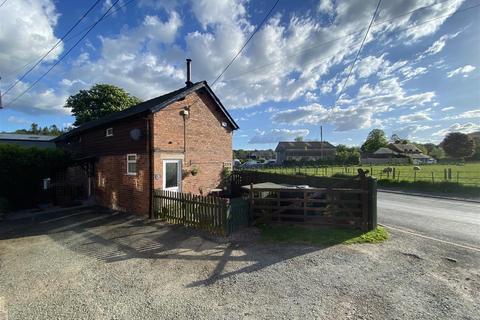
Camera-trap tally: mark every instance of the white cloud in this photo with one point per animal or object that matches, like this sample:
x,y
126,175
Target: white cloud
x,y
18,120
326,6
276,135
408,131
465,70
26,33
344,119
468,127
471,114
280,64
438,45
414,117
447,108
370,65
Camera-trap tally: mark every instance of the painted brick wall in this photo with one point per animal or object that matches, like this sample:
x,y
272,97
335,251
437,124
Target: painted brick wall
x,y
117,190
207,143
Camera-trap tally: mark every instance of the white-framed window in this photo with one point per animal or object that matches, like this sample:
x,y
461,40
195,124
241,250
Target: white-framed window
x,y
131,164
109,132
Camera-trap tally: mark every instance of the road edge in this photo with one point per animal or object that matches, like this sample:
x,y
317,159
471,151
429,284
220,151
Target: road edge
x,y
408,193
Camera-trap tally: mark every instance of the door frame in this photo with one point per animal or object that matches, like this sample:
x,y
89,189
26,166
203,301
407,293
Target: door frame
x,y
179,175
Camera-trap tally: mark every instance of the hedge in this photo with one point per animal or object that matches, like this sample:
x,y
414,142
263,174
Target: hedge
x,y
22,171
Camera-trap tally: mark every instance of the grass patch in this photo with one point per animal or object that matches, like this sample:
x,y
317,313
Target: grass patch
x,y
321,237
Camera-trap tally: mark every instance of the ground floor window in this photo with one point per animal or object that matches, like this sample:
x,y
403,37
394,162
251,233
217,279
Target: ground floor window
x,y
132,164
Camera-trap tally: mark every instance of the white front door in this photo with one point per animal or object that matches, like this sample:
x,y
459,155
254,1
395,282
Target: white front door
x,y
172,175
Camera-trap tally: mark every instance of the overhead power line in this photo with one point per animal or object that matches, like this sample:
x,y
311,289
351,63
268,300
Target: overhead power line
x,y
359,50
1,4
299,52
51,49
64,56
118,8
246,42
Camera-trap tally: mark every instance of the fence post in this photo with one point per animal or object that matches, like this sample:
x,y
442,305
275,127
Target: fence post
x,y
433,178
250,202
372,204
364,201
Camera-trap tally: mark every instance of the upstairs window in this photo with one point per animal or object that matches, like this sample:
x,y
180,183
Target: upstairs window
x,y
109,132
131,164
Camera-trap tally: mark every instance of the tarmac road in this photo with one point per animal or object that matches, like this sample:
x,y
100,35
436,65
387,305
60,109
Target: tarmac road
x,y
456,222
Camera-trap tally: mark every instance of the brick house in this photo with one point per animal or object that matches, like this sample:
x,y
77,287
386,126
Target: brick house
x,y
179,141
304,151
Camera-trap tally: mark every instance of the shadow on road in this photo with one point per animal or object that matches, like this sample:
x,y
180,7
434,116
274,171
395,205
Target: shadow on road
x,y
112,237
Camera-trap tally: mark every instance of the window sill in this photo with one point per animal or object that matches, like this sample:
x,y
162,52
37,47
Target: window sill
x,y
131,174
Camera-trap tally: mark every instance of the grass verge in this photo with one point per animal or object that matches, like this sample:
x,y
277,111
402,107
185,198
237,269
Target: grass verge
x,y
321,237
447,188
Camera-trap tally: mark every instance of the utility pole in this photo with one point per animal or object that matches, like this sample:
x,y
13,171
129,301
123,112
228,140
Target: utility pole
x,y
321,142
1,104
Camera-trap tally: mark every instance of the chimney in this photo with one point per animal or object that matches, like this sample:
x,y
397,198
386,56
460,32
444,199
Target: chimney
x,y
189,73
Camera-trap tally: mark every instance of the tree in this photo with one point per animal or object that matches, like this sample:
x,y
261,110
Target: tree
x,y
375,140
395,138
298,139
458,145
98,101
476,155
53,130
346,155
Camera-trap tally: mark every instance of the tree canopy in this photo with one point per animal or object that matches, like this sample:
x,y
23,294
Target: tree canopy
x,y
376,139
458,145
52,130
98,101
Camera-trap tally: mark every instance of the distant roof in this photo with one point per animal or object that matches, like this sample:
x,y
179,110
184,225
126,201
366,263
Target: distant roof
x,y
303,145
25,137
385,151
152,105
404,148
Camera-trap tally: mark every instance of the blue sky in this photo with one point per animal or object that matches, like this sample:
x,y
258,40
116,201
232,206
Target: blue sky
x,y
417,75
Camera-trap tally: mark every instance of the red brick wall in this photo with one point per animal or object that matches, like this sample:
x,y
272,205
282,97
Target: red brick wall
x,y
117,190
208,143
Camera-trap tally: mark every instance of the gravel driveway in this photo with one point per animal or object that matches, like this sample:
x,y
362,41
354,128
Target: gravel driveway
x,y
94,264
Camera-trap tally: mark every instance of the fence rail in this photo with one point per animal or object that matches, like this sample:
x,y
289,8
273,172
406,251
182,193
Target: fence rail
x,y
429,173
328,201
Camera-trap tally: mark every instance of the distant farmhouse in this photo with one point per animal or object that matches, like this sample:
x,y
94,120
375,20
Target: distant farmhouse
x,y
304,151
27,140
398,153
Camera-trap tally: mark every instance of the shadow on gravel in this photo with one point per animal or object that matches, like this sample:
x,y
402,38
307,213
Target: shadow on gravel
x,y
112,237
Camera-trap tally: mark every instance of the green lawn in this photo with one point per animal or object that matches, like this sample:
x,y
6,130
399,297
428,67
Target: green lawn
x,y
321,237
466,175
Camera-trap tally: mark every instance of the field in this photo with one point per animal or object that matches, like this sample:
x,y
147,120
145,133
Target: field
x,y
432,177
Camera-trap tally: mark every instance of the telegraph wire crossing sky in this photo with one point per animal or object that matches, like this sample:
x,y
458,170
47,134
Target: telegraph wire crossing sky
x,y
416,74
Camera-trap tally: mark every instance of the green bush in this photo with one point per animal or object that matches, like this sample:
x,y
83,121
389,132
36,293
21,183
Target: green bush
x,y
22,171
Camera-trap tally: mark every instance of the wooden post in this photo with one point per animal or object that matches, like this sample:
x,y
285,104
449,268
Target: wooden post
x,y
393,173
304,204
445,174
365,202
449,173
372,204
250,201
414,175
458,174
433,178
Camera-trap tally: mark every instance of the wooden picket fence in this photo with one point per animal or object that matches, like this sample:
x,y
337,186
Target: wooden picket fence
x,y
212,214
